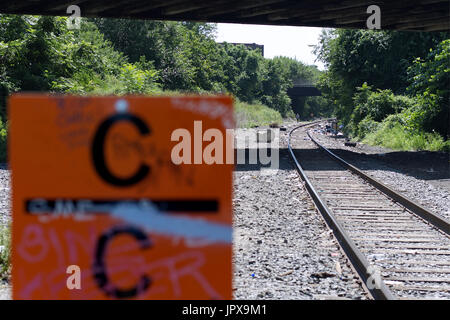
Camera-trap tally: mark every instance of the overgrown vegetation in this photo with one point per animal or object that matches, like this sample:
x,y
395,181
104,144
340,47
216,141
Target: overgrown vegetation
x,y
371,74
111,56
389,88
250,115
391,134
3,139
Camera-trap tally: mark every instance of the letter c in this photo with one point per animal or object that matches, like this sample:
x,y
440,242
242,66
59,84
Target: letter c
x,y
98,154
99,267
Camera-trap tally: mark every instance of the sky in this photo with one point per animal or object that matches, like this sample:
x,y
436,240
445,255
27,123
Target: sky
x,y
286,41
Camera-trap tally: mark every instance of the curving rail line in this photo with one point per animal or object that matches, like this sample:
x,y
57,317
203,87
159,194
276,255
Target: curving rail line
x,y
370,220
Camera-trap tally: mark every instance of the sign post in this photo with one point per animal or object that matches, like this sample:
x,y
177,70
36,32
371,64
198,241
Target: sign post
x,y
104,209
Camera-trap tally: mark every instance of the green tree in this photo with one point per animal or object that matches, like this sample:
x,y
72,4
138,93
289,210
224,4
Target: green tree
x,y
378,58
430,84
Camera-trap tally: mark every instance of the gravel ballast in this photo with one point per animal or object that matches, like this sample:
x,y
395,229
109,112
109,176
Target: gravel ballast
x,y
282,247
5,219
432,196
5,200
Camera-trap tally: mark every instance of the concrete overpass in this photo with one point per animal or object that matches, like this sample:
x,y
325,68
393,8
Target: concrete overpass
x,y
298,93
302,88
426,15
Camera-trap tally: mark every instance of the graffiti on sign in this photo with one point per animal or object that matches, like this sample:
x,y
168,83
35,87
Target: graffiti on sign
x,y
95,191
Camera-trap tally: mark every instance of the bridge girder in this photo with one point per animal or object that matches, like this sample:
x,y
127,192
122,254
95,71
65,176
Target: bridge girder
x,y
424,15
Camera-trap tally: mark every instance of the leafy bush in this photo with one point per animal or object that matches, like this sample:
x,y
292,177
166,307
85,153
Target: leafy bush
x,y
392,134
280,102
375,106
378,104
400,131
3,141
249,115
366,126
430,84
137,80
41,54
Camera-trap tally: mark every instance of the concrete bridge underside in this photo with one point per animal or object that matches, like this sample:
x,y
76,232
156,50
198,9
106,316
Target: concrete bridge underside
x,y
425,15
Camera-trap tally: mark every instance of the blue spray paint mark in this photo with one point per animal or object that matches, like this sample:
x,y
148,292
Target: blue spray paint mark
x,y
150,218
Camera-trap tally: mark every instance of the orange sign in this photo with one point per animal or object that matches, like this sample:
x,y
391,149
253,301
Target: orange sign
x,y
103,208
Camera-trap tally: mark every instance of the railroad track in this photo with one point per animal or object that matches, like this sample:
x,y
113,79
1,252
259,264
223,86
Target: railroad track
x,y
399,249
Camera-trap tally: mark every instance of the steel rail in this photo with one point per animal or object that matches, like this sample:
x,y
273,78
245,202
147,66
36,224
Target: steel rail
x,y
415,208
358,260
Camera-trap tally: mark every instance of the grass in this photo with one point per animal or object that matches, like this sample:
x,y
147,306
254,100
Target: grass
x,y
397,138
5,248
250,115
